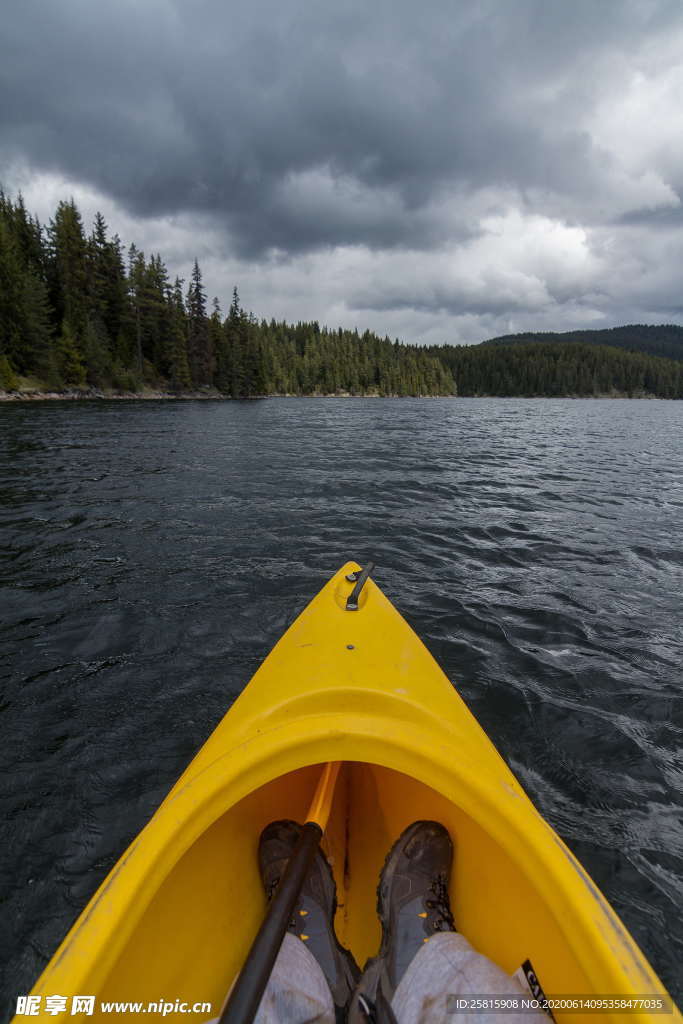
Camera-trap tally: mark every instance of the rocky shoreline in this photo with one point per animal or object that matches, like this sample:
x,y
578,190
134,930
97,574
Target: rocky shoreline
x,y
96,394
210,394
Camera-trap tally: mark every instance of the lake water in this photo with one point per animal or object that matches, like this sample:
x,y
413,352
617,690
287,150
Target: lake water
x,y
153,552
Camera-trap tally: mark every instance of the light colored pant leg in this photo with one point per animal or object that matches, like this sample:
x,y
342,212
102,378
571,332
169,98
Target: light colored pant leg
x,y
297,992
448,966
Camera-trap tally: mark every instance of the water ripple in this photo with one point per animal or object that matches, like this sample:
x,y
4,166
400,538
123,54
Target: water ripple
x,y
152,553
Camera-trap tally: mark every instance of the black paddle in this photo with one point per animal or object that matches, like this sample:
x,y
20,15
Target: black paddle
x,y
247,992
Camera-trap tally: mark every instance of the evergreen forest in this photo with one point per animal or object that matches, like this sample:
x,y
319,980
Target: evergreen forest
x,y
555,369
656,340
81,314
77,311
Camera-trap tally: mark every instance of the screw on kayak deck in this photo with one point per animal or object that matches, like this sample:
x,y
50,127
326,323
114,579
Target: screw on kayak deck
x,y
360,578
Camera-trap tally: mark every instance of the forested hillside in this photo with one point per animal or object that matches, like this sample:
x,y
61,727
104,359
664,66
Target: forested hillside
x,y
560,369
77,311
664,340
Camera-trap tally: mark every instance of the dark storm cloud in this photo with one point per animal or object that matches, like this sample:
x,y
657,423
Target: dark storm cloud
x,y
471,133
206,106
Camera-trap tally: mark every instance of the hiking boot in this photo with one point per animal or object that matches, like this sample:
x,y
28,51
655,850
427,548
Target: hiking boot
x,y
313,916
413,905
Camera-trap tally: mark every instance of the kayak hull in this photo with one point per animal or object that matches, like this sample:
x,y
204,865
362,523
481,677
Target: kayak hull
x,y
175,918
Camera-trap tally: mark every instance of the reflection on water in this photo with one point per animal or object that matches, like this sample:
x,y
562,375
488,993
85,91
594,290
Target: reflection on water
x,y
153,552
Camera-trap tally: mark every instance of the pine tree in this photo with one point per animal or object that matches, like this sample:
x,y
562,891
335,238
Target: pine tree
x,y
253,379
234,375
199,352
118,314
11,296
136,277
69,271
99,271
179,370
38,346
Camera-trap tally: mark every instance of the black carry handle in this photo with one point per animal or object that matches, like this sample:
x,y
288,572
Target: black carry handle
x,y
245,998
360,578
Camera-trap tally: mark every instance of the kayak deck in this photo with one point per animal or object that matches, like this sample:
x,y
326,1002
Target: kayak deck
x,y
176,916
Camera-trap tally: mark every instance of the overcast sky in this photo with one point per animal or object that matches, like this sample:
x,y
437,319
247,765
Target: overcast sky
x,y
439,171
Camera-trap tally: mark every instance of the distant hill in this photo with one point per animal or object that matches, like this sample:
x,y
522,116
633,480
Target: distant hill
x,y
558,368
664,340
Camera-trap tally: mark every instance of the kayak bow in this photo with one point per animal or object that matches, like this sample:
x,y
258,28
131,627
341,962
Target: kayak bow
x,y
176,916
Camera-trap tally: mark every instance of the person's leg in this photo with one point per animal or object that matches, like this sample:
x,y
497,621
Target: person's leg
x,y
297,991
313,977
312,922
412,903
423,959
448,966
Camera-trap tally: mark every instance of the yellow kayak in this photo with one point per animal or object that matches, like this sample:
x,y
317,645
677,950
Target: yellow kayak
x,y
176,916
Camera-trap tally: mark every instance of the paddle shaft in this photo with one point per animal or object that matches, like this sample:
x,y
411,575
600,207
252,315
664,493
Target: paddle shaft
x,y
245,998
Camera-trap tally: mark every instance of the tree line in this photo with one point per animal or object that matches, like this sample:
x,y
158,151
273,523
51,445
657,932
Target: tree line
x,y
555,369
78,311
655,339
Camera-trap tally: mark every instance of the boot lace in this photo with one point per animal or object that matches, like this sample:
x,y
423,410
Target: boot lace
x,y
441,904
270,892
